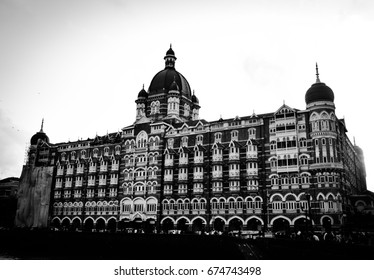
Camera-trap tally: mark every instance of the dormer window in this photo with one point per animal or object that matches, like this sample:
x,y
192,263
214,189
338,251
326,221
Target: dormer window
x,y
218,137
234,135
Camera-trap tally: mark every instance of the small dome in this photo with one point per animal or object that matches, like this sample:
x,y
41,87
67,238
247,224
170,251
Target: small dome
x,y
142,94
319,92
195,99
170,51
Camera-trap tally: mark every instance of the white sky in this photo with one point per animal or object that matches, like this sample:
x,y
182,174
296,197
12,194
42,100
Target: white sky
x,y
81,64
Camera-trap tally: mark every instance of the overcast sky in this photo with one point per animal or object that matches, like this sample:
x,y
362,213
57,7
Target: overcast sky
x,y
80,64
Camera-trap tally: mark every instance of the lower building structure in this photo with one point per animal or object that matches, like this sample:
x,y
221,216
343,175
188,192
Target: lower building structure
x,y
288,170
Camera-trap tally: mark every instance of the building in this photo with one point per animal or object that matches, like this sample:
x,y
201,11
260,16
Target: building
x,y
285,170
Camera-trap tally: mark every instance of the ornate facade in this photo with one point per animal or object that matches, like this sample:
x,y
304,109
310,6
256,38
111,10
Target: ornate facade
x,y
281,171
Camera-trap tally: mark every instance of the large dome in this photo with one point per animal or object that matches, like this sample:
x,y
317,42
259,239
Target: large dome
x,y
319,92
162,81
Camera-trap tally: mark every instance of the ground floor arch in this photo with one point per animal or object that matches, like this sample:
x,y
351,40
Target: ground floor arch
x,y
76,224
235,224
219,224
167,224
281,224
254,223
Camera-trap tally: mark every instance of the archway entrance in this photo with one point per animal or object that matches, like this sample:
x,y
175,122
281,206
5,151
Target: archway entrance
x,y
198,226
65,225
326,223
76,225
137,225
254,224
182,225
281,226
112,225
88,225
218,225
303,225
235,225
167,225
56,224
149,226
100,225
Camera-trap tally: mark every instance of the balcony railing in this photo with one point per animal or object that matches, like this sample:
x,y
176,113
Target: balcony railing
x,y
198,159
168,178
217,158
169,162
198,176
234,156
183,177
217,174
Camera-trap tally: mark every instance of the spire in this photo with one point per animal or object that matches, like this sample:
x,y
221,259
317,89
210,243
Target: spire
x,y
317,74
41,128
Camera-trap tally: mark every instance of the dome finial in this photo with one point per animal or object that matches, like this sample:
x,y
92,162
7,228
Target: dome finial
x,y
41,127
317,74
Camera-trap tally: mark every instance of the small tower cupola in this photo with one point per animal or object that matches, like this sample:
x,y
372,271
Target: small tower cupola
x,y
39,136
196,107
319,93
140,104
173,99
170,58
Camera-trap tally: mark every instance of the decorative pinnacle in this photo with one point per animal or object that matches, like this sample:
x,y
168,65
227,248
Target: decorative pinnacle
x,y
317,74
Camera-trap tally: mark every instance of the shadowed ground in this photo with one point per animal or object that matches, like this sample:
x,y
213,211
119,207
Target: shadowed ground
x,y
22,244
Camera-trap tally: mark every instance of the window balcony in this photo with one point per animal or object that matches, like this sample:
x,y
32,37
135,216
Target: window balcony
x,y
198,160
80,170
68,184
234,156
168,191
182,191
182,177
58,185
151,190
252,172
60,171
234,173
91,182
114,181
102,182
183,161
252,188
152,177
127,191
198,176
103,168
217,189
139,192
115,167
169,162
234,188
217,158
70,171
168,178
92,169
217,174
198,190
251,155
